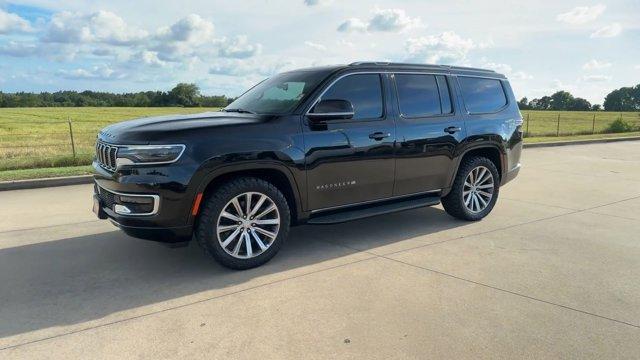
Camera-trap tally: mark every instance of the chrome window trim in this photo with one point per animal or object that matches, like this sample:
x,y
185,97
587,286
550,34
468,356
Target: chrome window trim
x,y
156,201
454,108
383,99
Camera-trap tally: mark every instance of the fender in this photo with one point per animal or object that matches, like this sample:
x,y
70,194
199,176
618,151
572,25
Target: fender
x,y
471,147
252,165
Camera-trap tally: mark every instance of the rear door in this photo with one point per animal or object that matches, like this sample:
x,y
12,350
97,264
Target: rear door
x,y
351,161
430,128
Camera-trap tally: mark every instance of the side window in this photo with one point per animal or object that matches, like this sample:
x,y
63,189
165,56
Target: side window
x,y
445,95
482,95
364,91
418,95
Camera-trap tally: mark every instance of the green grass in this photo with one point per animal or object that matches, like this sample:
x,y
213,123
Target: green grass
x,y
545,123
579,137
40,137
44,172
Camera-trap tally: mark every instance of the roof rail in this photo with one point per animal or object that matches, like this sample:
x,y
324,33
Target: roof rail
x,y
449,67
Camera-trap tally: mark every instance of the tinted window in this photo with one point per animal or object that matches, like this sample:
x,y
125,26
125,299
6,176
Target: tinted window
x,y
364,91
279,94
482,95
418,95
445,95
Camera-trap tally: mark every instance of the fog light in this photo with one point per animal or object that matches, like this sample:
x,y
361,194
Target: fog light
x,y
121,209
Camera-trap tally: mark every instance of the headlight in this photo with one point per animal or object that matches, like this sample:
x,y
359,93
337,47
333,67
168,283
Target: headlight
x,y
148,154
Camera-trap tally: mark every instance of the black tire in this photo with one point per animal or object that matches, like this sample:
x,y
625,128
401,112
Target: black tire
x,y
214,204
454,203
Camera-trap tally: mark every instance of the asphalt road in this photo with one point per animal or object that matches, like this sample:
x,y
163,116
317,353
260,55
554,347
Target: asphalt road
x,y
553,272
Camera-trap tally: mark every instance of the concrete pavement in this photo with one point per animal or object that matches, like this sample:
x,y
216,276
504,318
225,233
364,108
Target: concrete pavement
x,y
553,272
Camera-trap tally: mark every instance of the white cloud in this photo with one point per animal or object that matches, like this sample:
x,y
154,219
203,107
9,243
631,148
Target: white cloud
x,y
235,67
10,23
315,46
392,20
191,29
317,2
147,58
353,24
594,64
99,27
447,47
103,72
607,31
384,20
596,78
521,75
238,47
507,70
19,49
581,14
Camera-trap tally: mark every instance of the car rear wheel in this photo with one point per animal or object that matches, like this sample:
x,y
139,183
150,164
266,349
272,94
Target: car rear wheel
x,y
475,190
244,223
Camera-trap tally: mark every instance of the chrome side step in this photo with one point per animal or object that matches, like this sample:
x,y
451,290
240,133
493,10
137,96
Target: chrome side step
x,y
365,211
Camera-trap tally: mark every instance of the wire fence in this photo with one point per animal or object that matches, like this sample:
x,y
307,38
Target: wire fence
x,y
567,123
52,143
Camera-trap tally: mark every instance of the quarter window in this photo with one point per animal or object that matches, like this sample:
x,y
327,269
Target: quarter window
x,y
423,95
364,91
482,95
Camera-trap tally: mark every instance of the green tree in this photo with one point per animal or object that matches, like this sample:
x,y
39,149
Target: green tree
x,y
523,104
561,100
623,99
579,104
185,94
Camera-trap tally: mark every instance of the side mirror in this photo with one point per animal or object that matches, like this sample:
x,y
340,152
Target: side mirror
x,y
332,109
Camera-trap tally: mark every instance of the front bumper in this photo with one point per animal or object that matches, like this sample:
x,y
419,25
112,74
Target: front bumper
x,y
167,219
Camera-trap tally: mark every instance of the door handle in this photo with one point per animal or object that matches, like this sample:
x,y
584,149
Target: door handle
x,y
452,129
379,135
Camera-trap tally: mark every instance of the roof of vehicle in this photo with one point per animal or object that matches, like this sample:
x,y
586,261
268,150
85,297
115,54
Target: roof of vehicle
x,y
391,66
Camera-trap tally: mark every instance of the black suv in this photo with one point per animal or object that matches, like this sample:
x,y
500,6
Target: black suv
x,y
320,146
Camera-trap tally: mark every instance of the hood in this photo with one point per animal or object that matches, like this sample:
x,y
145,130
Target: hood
x,y
149,129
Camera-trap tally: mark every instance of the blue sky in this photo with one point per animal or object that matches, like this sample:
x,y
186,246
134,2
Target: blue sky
x,y
587,48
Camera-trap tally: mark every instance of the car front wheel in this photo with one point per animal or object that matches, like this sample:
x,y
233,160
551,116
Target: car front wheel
x,y
243,224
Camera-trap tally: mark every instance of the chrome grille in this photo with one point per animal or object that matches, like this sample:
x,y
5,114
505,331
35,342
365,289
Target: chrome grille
x,y
106,155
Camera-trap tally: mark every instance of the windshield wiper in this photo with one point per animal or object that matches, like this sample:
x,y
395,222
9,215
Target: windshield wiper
x,y
242,111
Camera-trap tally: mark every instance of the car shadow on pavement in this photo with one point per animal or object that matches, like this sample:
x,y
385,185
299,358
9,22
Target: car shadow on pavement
x,y
93,279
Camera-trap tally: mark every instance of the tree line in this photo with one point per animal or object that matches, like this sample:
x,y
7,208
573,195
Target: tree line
x,y
623,99
187,95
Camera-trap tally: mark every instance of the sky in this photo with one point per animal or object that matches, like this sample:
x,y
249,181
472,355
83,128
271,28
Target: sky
x,y
587,48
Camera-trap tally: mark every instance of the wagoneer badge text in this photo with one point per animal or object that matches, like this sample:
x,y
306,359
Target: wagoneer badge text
x,y
336,185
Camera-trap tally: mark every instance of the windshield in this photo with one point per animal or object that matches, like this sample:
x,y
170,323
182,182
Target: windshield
x,y
277,95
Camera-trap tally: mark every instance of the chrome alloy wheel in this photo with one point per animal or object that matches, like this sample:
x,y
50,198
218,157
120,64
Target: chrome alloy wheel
x,y
478,189
248,225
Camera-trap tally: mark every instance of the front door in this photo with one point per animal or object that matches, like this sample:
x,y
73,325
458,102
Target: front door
x,y
352,161
430,129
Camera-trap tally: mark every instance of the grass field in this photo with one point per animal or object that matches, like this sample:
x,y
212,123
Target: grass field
x,y
545,123
40,137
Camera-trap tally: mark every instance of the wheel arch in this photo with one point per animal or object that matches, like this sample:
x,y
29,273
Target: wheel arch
x,y
274,173
491,151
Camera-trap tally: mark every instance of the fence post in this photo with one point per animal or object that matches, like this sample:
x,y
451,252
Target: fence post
x,y
558,128
528,121
593,125
73,144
